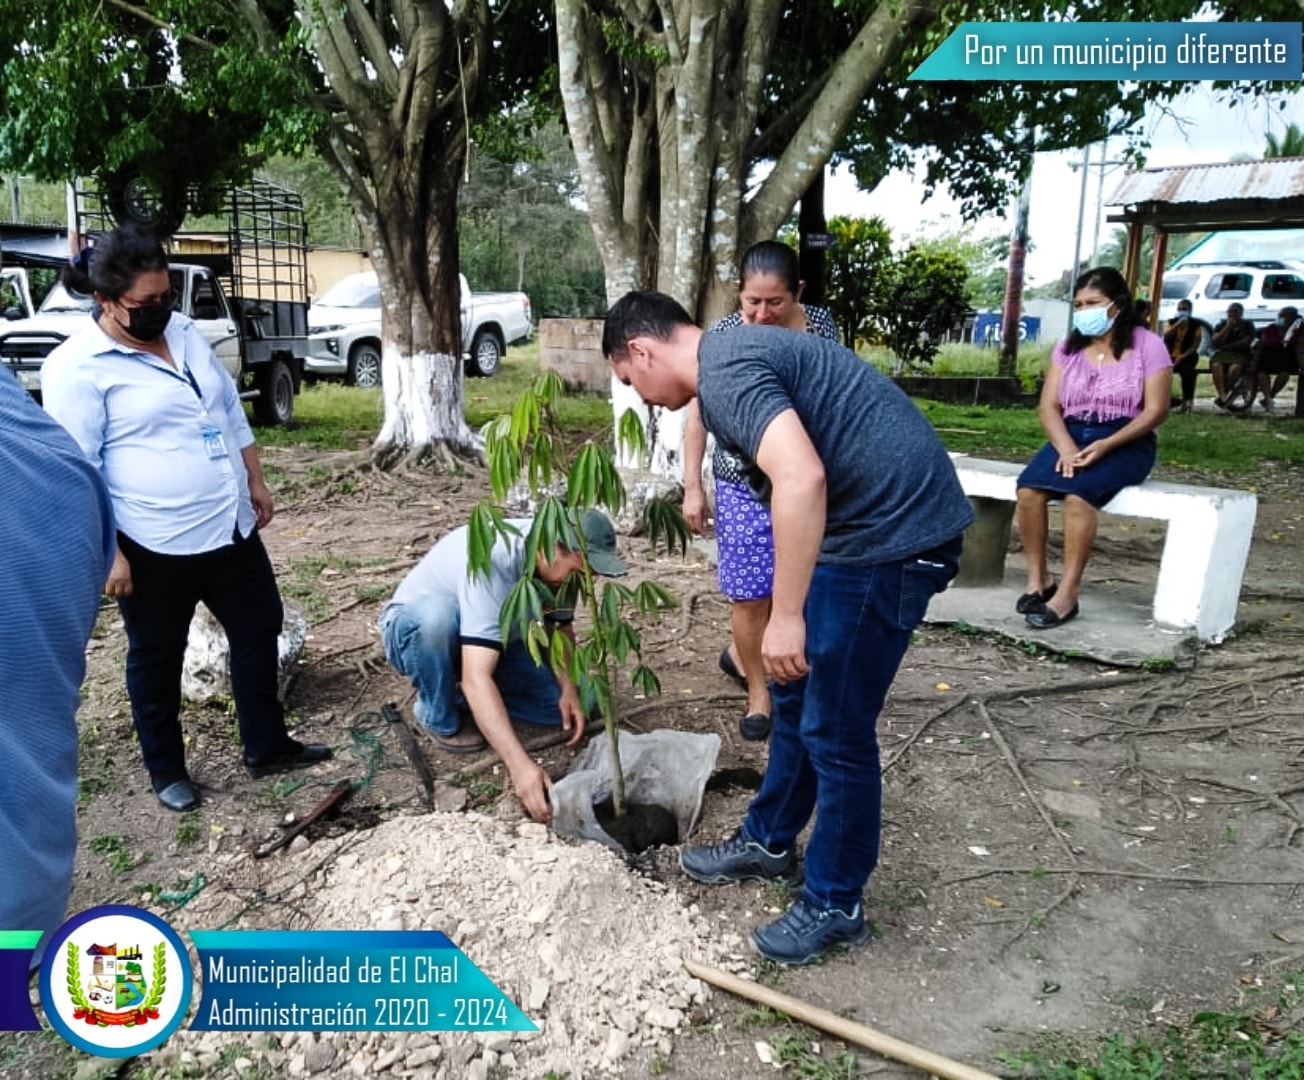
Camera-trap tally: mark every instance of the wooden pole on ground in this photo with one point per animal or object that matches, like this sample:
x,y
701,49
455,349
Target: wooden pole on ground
x,y
849,1030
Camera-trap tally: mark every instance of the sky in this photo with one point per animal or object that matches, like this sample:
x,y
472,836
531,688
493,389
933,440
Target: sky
x,y
1200,130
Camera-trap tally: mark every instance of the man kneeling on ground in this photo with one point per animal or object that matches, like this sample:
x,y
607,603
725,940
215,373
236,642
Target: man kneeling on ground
x,y
441,629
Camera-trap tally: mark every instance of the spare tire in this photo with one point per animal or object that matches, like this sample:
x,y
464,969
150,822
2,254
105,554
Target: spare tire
x,y
133,196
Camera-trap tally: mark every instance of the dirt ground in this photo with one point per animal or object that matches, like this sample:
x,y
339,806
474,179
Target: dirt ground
x,y
1068,849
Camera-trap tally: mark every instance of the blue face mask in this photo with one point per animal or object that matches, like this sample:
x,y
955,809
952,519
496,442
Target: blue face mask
x,y
1281,321
1093,322
1182,315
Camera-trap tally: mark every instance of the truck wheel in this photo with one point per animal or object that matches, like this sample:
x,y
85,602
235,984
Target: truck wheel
x,y
364,365
486,354
275,401
134,197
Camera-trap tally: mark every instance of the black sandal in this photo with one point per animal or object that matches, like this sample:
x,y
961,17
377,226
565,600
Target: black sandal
x,y
731,669
1048,618
1034,601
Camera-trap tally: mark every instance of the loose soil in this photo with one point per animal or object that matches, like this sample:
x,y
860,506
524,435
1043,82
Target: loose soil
x,y
1068,849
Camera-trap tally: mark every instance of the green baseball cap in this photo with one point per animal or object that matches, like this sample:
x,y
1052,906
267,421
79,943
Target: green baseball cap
x,y
600,542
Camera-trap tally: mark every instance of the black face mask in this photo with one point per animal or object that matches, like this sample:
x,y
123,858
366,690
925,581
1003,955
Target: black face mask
x,y
147,323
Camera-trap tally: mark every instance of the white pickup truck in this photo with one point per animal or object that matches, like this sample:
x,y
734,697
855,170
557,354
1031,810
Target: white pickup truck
x,y
249,300
344,330
26,341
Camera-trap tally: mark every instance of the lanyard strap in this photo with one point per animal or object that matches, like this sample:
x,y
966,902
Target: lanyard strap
x,y
194,384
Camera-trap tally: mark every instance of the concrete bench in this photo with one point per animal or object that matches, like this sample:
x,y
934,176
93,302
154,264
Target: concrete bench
x,y
1205,546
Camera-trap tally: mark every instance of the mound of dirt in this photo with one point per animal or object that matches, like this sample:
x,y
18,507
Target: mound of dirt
x,y
590,952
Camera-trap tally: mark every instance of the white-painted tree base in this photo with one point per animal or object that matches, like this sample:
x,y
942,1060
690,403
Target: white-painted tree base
x,y
423,410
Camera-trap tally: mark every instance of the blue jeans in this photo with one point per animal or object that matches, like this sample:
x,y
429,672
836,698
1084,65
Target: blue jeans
x,y
422,642
239,587
824,746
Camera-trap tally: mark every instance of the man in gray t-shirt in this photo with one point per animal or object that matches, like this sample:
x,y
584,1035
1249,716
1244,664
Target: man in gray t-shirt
x,y
868,517
442,630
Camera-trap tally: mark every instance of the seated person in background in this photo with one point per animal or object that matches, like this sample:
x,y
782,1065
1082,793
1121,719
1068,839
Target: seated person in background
x,y
1232,340
1142,308
1183,337
441,629
1107,389
1279,347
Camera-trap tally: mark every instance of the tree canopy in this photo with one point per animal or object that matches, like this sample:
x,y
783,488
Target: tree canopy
x,y
1289,144
390,92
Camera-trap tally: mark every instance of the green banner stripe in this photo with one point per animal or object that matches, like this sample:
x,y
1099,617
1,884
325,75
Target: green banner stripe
x,y
19,939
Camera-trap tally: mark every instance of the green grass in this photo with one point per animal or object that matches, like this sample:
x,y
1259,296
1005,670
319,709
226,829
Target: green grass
x,y
580,411
1258,1040
1211,443
114,847
806,1056
35,1053
332,416
187,830
303,584
960,359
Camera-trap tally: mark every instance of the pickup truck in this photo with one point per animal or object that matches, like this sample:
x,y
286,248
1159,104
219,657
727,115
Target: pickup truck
x,y
25,343
344,330
249,301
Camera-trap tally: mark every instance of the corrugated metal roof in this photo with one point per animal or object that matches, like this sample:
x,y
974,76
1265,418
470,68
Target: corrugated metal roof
x,y
1279,178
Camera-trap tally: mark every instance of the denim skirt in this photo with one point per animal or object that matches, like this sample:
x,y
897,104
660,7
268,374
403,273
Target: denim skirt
x,y
1098,483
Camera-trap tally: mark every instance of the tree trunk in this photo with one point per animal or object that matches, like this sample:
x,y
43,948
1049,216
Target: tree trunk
x,y
421,354
407,77
661,130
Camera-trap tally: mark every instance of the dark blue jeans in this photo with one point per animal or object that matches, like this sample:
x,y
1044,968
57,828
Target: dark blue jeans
x,y
239,587
824,746
422,642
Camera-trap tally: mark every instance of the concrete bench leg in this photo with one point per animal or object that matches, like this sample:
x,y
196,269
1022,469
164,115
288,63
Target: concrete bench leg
x,y
1203,564
986,541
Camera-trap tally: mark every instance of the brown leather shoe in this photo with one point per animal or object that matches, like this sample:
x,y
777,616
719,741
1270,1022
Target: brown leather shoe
x,y
466,740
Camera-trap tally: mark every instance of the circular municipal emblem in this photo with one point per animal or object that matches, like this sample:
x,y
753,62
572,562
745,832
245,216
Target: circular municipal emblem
x,y
115,981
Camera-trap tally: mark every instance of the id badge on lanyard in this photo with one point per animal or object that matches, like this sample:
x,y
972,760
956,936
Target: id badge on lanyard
x,y
214,444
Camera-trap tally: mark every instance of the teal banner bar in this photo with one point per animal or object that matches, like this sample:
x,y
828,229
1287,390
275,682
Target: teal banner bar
x,y
345,980
1117,52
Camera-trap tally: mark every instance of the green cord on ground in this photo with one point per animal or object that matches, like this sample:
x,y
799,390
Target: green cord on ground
x,y
179,898
367,744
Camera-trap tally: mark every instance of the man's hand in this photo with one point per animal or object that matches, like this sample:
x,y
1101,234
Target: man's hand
x,y
572,714
784,648
695,508
532,785
119,580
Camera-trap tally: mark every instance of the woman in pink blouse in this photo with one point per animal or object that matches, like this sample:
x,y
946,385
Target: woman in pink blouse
x,y
1106,392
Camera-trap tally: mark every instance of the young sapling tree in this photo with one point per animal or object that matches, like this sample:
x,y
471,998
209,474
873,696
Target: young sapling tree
x,y
528,447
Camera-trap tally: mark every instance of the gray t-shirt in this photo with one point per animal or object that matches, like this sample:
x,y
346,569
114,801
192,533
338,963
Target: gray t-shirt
x,y
892,491
442,577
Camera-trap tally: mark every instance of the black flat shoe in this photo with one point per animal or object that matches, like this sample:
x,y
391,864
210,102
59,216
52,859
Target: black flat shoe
x,y
755,727
179,796
731,669
1034,601
299,756
1047,619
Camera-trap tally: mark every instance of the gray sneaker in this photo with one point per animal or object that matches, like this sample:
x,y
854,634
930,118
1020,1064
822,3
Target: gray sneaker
x,y
804,932
739,859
